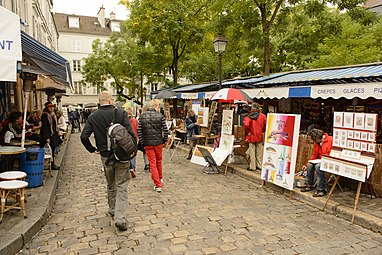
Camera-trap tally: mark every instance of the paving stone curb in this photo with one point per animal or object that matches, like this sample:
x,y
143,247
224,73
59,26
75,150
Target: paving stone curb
x,y
38,215
361,218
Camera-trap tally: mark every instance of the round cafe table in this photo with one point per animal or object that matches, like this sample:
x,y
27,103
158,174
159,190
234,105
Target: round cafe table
x,y
18,143
8,156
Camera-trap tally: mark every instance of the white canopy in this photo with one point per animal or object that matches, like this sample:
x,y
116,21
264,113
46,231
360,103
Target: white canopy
x,y
10,44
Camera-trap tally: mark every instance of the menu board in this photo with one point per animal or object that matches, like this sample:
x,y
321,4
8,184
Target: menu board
x,y
280,149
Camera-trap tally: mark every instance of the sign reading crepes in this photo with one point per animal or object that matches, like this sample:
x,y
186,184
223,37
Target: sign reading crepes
x,y
10,45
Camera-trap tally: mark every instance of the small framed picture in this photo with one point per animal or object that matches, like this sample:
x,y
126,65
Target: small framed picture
x,y
350,144
331,166
325,165
371,147
357,145
371,137
359,121
350,134
338,116
343,143
357,135
337,168
364,146
364,136
336,141
371,121
353,171
348,119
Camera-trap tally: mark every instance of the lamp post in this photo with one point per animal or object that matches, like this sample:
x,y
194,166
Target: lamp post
x,y
220,44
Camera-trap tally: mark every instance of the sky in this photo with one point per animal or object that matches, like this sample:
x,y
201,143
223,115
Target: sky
x,y
90,7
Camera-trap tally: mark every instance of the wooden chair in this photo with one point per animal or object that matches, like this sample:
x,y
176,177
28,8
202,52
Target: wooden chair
x,y
8,187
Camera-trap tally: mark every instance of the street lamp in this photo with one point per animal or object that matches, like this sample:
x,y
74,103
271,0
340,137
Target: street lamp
x,y
220,44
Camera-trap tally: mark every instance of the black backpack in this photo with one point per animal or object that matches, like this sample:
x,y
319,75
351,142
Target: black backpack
x,y
120,143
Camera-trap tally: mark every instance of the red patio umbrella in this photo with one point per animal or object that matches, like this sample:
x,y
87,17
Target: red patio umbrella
x,y
231,95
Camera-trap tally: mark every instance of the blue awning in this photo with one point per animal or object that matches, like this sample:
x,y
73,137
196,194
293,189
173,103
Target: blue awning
x,y
47,59
358,72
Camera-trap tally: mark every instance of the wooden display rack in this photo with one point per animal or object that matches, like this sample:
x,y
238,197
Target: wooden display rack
x,y
353,153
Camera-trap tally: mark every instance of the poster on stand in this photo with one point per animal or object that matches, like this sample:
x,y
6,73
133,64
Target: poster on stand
x,y
280,149
227,122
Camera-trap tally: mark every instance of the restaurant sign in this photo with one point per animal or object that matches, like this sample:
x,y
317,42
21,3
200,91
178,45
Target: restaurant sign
x,y
349,91
10,44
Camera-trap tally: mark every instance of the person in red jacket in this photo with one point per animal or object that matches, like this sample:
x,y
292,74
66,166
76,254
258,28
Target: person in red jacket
x,y
254,129
134,126
322,146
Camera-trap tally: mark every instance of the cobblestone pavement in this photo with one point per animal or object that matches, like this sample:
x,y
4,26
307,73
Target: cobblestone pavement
x,y
195,214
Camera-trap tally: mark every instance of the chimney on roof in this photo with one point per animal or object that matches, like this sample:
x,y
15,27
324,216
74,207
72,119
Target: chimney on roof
x,y
101,16
112,16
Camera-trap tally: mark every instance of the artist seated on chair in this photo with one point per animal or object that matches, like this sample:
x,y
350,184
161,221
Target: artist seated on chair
x,y
322,146
192,129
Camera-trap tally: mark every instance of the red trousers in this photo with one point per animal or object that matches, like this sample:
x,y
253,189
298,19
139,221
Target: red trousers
x,y
154,155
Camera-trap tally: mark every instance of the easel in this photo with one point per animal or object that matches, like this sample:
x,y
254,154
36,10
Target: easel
x,y
213,107
356,196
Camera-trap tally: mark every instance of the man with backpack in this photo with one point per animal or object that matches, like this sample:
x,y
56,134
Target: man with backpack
x,y
115,163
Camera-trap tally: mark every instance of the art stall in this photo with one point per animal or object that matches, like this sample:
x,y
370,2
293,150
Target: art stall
x,y
280,149
353,153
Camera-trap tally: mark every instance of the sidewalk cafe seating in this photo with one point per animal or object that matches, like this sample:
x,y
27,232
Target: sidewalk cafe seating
x,y
6,190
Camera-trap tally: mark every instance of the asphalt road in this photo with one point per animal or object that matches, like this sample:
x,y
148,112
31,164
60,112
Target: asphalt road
x,y
195,214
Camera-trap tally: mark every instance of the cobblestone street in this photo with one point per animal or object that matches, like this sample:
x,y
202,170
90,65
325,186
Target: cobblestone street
x,y
195,214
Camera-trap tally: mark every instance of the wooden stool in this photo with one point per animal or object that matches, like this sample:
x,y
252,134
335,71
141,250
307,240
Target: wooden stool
x,y
13,175
19,188
49,158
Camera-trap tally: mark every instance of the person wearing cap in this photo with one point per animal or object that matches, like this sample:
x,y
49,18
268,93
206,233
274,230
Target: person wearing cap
x,y
322,146
254,129
49,131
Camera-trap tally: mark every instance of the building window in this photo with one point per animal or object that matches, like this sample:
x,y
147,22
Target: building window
x,y
74,22
115,26
76,65
154,86
78,88
76,46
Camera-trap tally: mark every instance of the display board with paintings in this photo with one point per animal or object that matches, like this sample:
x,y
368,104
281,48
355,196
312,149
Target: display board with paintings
x,y
227,122
280,149
354,144
211,114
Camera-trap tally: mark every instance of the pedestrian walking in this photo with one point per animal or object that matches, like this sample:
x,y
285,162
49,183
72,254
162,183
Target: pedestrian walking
x,y
134,126
153,133
322,146
116,173
254,129
49,131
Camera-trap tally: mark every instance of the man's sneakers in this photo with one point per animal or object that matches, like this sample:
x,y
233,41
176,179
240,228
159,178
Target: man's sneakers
x,y
55,167
147,167
157,189
122,226
132,173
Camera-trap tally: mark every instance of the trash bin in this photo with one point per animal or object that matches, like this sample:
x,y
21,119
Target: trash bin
x,y
32,163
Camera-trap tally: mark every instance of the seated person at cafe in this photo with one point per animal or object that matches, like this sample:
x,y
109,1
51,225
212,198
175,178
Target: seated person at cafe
x,y
322,146
14,128
192,128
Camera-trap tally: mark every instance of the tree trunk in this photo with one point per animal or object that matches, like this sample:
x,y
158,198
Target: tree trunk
x,y
267,53
141,89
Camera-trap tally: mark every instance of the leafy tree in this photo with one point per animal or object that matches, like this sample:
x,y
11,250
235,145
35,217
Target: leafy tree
x,y
170,26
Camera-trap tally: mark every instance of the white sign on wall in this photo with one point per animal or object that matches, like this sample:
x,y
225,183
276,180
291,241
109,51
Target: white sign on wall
x,y
10,44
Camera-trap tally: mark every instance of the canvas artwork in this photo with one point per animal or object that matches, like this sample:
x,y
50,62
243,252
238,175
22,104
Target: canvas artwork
x,y
371,147
371,137
359,120
197,157
227,122
338,119
364,136
371,121
348,119
280,149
